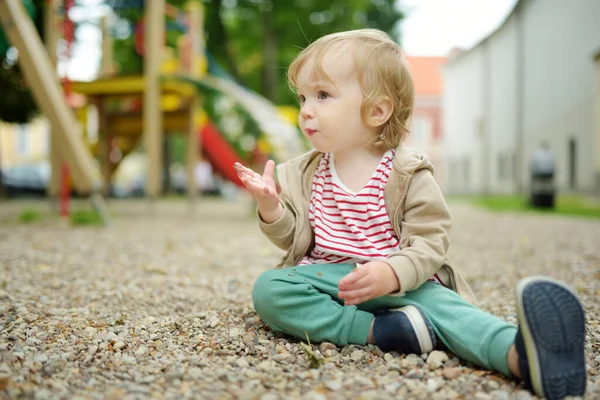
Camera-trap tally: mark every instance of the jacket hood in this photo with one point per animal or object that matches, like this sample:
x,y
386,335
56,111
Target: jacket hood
x,y
409,160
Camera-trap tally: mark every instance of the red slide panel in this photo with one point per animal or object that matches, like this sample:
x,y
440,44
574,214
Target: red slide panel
x,y
219,152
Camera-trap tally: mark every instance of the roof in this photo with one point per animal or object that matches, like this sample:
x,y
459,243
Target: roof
x,y
427,74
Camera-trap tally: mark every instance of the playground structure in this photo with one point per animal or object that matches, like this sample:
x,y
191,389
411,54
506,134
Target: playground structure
x,y
172,96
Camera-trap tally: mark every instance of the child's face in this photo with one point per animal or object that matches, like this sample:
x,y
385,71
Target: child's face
x,y
330,110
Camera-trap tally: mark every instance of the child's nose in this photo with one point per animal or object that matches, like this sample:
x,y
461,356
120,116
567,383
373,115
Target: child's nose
x,y
307,112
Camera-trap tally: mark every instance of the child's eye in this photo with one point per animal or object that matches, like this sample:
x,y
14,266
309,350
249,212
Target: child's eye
x,y
301,98
322,95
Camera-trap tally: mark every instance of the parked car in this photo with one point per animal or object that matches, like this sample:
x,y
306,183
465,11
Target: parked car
x,y
25,180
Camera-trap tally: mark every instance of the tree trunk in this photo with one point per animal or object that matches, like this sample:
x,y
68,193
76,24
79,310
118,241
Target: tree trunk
x,y
269,72
221,40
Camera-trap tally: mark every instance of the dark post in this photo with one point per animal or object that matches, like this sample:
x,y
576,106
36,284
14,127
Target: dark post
x,y
542,168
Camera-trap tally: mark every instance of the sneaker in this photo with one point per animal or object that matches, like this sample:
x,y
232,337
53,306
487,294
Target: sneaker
x,y
405,330
550,339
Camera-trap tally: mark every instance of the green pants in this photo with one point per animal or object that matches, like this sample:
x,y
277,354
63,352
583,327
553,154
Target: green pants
x,y
304,300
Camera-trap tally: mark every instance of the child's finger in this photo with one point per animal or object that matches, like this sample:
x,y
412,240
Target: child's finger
x,y
245,170
269,171
349,281
354,297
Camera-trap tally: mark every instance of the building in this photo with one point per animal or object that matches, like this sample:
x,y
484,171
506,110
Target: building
x,y
426,125
535,79
24,144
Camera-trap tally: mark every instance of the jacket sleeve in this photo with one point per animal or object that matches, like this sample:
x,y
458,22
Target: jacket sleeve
x,y
424,231
281,231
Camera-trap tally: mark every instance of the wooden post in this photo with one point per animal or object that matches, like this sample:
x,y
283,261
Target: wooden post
x,y
193,151
107,49
104,143
153,135
51,37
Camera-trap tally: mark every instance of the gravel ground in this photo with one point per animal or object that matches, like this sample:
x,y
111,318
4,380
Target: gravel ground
x,y
160,307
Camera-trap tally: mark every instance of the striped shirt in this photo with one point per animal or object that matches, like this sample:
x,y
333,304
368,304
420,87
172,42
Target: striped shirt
x,y
350,227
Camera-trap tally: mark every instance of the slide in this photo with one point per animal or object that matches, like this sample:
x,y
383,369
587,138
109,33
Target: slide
x,y
283,136
219,152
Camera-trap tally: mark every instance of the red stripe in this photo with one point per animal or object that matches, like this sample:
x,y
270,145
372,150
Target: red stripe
x,y
361,210
349,213
358,203
351,252
354,219
363,237
389,230
355,226
354,246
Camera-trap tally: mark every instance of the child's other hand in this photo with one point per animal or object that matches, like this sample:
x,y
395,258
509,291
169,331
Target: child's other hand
x,y
262,187
371,280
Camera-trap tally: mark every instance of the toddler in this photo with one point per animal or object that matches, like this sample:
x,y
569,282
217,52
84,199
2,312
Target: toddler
x,y
366,232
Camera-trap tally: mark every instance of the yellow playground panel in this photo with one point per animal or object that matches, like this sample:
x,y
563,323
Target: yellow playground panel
x,y
120,122
182,73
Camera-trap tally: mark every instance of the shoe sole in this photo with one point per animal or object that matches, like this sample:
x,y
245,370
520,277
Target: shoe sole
x,y
417,320
553,327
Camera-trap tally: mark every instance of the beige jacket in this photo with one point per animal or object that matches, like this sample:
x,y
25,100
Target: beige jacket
x,y
414,203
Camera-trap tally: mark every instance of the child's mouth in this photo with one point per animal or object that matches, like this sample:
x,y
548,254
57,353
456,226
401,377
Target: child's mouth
x,y
310,132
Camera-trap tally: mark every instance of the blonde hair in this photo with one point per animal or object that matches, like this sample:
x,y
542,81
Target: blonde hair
x,y
382,71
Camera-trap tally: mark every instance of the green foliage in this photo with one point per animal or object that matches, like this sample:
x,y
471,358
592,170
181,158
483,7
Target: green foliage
x,y
86,218
29,215
256,40
16,103
565,205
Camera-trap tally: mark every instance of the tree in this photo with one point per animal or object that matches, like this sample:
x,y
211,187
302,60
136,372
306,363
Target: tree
x,y
257,39
17,104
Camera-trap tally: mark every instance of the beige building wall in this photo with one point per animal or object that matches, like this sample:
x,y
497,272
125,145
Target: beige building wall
x,y
24,144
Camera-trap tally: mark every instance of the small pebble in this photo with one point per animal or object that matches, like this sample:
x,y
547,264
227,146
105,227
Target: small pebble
x,y
118,345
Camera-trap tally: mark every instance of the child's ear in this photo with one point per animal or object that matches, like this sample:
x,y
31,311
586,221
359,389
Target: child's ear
x,y
380,112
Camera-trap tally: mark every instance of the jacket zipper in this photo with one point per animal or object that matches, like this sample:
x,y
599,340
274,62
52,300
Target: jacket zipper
x,y
402,199
454,275
396,218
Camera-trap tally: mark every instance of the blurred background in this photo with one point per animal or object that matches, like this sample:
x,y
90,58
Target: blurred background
x,y
166,96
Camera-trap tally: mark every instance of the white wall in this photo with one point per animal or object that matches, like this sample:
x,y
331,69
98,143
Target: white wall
x,y
560,38
502,116
558,41
462,115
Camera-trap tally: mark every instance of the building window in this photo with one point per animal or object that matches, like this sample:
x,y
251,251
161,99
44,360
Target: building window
x,y
505,164
22,141
466,172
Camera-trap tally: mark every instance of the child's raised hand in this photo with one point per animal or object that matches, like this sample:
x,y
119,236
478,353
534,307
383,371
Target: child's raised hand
x,y
262,187
372,279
